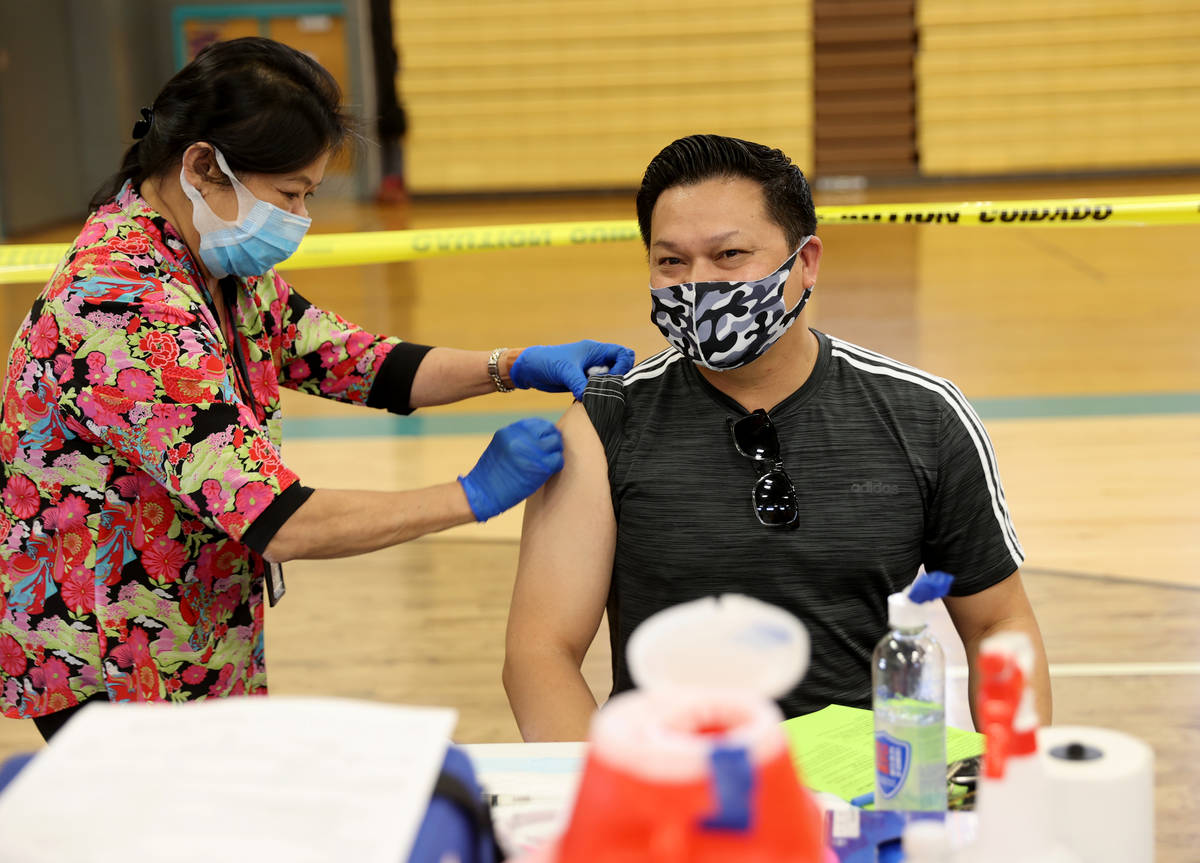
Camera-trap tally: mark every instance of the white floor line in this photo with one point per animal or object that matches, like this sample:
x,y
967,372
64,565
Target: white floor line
x,y
1108,669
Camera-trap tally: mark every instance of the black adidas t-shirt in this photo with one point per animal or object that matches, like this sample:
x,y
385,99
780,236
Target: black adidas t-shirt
x,y
892,469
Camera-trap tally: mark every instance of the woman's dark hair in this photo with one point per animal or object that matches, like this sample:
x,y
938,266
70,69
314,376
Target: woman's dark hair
x,y
267,107
697,158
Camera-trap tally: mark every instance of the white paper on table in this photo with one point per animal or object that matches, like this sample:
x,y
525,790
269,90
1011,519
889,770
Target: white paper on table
x,y
261,779
535,784
528,772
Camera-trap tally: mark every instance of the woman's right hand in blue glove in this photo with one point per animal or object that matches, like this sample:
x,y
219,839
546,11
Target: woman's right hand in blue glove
x,y
519,459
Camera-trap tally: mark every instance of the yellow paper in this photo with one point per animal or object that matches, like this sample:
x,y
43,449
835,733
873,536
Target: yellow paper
x,y
834,749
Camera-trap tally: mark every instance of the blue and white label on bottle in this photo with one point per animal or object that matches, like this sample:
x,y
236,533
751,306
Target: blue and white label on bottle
x,y
892,761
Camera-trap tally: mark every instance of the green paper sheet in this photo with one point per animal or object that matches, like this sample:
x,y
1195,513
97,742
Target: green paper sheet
x,y
834,749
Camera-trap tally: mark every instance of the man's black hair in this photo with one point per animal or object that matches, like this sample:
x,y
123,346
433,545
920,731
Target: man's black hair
x,y
697,158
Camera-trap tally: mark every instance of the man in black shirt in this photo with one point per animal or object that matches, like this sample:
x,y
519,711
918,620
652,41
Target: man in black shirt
x,y
753,456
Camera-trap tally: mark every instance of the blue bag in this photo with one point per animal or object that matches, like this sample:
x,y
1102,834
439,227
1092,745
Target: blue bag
x,y
458,822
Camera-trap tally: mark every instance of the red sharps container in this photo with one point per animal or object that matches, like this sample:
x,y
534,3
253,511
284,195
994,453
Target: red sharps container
x,y
694,765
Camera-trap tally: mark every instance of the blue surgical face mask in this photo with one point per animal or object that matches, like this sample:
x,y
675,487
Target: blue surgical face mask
x,y
724,325
261,237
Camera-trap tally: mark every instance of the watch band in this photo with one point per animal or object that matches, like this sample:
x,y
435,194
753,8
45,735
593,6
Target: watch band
x,y
494,370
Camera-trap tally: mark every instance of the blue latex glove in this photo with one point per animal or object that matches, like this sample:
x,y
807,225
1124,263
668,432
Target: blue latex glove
x,y
558,368
518,460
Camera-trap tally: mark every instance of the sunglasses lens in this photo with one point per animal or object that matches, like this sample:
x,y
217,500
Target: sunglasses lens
x,y
775,504
775,499
755,436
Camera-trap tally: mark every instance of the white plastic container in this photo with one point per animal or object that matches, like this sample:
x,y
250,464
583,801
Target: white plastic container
x,y
1014,806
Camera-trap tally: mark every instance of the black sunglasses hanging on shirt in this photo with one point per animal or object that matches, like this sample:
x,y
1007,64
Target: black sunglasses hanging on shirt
x,y
773,495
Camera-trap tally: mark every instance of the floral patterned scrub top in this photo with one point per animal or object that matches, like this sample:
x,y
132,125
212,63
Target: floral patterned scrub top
x,y
142,476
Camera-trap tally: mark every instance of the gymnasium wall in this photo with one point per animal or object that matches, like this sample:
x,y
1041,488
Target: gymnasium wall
x,y
532,95
1029,86
544,94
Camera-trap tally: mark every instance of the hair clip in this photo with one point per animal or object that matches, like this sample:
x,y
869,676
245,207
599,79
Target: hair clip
x,y
142,126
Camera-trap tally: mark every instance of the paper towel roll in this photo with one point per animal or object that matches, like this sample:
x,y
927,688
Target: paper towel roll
x,y
1102,795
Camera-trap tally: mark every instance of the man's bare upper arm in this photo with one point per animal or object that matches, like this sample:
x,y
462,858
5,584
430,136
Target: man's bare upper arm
x,y
977,614
1003,606
567,546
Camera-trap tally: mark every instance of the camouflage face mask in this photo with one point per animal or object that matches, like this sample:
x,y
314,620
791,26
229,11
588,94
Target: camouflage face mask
x,y
724,325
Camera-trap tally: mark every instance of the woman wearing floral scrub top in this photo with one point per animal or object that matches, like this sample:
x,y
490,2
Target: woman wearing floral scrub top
x,y
144,505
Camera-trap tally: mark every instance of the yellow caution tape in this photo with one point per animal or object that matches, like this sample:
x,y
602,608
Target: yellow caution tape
x,y
1158,210
35,263
383,247
31,263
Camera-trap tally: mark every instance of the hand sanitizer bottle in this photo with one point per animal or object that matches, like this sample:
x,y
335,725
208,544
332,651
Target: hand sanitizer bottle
x,y
908,677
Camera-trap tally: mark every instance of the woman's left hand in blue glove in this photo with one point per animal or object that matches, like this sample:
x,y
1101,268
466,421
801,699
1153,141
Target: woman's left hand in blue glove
x,y
518,460
558,368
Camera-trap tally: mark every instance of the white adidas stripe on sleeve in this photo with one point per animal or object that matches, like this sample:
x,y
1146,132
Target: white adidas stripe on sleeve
x,y
873,363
